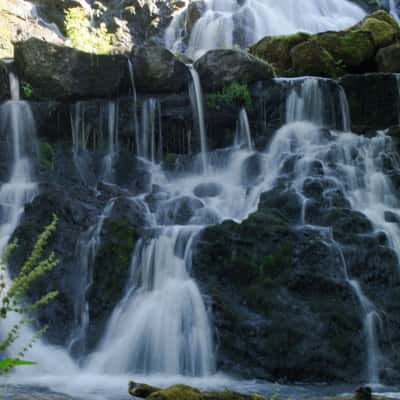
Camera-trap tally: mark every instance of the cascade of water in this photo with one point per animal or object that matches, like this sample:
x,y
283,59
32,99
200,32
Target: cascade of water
x,y
362,181
171,333
150,144
111,116
134,100
314,100
18,125
197,100
243,133
87,248
229,22
393,7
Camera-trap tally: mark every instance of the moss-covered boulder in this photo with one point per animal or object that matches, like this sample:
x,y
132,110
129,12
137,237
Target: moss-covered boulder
x,y
382,32
309,58
218,68
276,50
4,84
64,73
388,59
352,47
177,392
184,392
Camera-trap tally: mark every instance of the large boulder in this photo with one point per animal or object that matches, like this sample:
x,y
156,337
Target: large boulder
x,y
388,59
376,111
157,70
309,58
353,47
217,68
382,31
193,13
64,73
276,50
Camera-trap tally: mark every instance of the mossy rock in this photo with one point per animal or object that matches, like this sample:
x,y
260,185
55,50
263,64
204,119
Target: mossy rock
x,y
309,58
229,395
382,15
353,47
276,50
382,32
177,392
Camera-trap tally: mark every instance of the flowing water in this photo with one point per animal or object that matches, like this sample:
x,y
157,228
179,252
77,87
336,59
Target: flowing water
x,y
161,331
226,23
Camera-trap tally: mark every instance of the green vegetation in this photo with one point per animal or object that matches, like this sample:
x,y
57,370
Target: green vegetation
x,y
27,90
235,94
47,156
273,264
85,37
12,299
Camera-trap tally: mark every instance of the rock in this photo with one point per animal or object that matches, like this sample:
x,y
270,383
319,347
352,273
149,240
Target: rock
x,y
141,390
218,68
178,211
193,13
363,393
366,110
392,217
353,47
382,32
252,170
311,59
388,59
18,22
59,72
4,83
157,70
276,50
384,16
176,392
207,190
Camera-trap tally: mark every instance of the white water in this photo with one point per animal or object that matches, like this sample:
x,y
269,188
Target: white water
x,y
87,249
243,133
393,7
228,22
197,100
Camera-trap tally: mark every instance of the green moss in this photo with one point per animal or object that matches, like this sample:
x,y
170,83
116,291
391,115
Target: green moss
x,y
47,156
230,395
177,392
382,15
27,90
273,264
382,32
169,161
276,50
235,94
353,47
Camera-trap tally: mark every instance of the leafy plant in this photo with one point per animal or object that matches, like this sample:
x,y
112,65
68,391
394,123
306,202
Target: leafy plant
x,y
83,36
27,90
47,156
12,296
235,94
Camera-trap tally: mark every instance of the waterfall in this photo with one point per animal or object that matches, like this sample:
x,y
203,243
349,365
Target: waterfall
x,y
149,143
393,7
226,23
87,248
111,117
243,133
197,100
171,332
318,100
134,105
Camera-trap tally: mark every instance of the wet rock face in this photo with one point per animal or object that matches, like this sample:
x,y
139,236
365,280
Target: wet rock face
x,y
62,73
366,110
388,59
4,84
217,68
157,70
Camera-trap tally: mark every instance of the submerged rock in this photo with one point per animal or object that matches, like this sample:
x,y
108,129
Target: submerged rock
x,y
60,72
217,68
157,70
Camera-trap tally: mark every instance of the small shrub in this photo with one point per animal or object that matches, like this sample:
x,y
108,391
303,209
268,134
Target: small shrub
x,y
12,297
27,90
235,94
47,156
83,36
